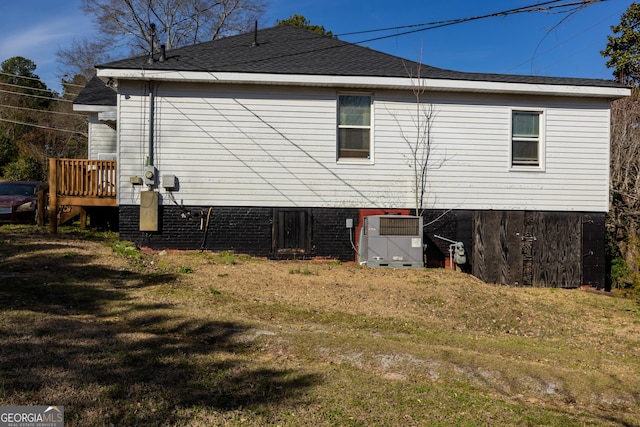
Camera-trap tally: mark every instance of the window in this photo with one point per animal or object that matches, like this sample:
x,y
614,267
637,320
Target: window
x,y
354,126
526,141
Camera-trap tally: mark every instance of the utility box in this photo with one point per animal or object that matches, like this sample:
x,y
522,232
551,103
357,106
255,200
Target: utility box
x,y
150,174
391,241
169,182
148,211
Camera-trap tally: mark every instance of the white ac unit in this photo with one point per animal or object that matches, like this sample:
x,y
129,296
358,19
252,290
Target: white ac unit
x,y
391,241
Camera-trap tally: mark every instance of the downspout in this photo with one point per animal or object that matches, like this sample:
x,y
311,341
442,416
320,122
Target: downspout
x,y
150,160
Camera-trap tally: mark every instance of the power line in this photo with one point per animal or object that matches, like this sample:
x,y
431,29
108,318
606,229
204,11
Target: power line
x,y
36,96
43,111
548,6
37,79
22,77
52,92
71,84
537,7
531,8
26,87
42,90
585,30
43,127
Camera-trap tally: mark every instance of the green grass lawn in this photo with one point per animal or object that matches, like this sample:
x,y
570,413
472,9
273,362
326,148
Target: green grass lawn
x,y
122,338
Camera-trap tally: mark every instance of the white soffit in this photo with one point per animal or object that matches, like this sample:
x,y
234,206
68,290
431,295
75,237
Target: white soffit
x,y
95,108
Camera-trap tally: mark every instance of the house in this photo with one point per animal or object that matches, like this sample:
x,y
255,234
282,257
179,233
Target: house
x,y
99,102
277,143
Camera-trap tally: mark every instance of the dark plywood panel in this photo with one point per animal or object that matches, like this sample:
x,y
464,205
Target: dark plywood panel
x,y
497,246
557,250
481,245
593,250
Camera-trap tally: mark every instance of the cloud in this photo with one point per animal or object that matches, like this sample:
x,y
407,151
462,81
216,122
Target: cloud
x,y
42,38
39,37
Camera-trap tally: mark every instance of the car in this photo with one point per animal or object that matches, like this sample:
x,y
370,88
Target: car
x,y
19,201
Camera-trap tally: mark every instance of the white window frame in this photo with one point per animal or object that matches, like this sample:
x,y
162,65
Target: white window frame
x,y
540,140
370,158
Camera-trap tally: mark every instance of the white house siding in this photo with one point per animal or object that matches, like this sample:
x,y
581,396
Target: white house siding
x,y
241,145
102,138
471,158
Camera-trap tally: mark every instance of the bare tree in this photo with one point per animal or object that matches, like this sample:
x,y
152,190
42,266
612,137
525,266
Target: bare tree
x,y
420,146
81,57
624,217
142,25
173,23
419,139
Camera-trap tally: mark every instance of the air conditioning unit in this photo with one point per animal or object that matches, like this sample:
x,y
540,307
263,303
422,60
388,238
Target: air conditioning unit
x,y
391,241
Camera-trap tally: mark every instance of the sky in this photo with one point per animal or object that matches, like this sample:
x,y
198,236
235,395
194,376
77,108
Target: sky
x,y
534,43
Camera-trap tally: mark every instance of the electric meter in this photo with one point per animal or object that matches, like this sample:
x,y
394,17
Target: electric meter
x,y
150,173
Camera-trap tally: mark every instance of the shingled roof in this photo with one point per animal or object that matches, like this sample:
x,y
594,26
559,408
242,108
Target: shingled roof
x,y
290,50
97,93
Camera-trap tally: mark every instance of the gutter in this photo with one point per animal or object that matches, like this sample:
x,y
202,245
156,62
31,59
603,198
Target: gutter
x,y
372,82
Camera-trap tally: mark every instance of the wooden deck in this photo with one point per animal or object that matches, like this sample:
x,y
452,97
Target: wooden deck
x,y
80,183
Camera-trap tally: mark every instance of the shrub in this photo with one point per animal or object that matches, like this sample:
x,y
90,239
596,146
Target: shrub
x,y
24,169
619,272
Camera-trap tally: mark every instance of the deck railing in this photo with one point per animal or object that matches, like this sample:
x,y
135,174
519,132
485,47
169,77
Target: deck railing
x,y
83,178
81,182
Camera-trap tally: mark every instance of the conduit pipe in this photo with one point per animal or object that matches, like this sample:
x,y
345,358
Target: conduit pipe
x,y
150,159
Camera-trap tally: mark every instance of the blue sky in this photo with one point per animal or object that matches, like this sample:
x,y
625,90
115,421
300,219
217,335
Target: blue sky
x,y
527,43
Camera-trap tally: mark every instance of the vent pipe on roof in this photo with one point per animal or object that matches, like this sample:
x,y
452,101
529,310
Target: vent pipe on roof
x,y
163,53
255,35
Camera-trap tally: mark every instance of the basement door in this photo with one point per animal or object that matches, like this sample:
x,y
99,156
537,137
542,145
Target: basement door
x,y
291,236
525,248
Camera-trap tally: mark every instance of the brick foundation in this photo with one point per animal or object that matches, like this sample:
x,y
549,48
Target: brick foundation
x,y
253,231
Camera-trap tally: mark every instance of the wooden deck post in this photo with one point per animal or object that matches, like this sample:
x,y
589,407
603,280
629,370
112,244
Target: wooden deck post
x,y
42,200
53,197
83,218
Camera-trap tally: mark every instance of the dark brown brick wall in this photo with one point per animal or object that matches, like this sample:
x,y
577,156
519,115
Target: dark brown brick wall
x,y
249,230
240,229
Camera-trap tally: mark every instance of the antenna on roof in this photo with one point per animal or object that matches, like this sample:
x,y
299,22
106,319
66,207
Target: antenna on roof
x,y
255,35
151,38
